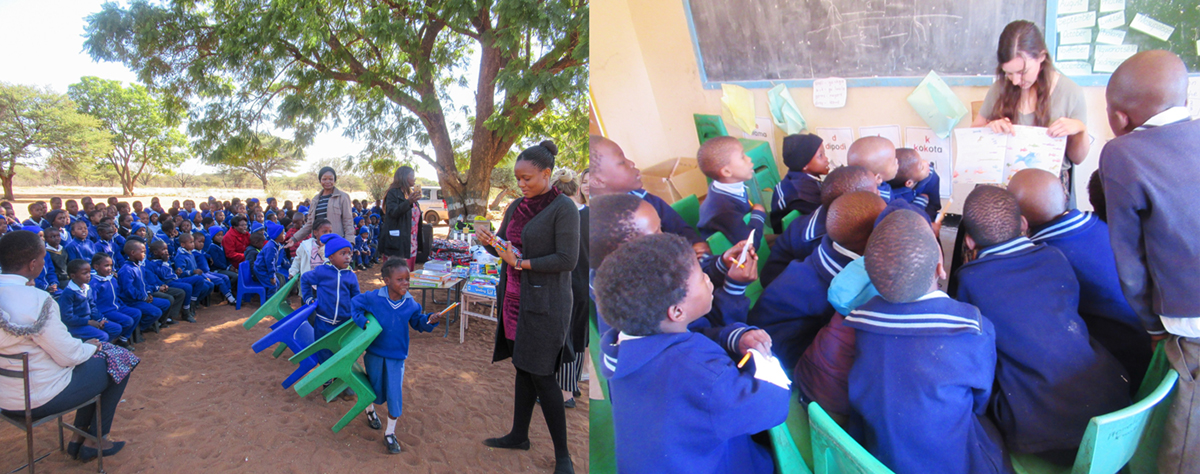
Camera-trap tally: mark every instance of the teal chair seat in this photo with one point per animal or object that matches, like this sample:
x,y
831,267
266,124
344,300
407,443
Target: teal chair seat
x,y
689,209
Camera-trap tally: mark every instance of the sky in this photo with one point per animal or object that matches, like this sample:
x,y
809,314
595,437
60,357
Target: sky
x,y
43,46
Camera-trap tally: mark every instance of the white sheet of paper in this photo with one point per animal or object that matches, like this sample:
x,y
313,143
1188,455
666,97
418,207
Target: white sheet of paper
x,y
1076,36
1194,96
1080,20
768,369
934,149
1115,20
829,93
1110,37
1073,68
979,155
1072,6
890,132
394,233
1112,6
1076,52
1031,147
1152,27
836,141
1108,57
764,129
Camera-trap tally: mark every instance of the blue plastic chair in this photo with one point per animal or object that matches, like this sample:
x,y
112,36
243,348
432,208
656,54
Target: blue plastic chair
x,y
247,286
292,332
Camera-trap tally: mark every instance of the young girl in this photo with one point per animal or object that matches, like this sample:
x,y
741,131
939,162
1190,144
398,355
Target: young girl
x,y
154,226
394,309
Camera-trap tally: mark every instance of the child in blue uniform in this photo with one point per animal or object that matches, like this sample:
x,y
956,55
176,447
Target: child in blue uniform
x,y
266,264
186,264
215,252
395,310
110,243
332,286
1084,240
800,189
77,305
79,247
194,287
1052,377
877,155
925,363
725,161
104,286
916,183
230,278
362,248
132,287
679,402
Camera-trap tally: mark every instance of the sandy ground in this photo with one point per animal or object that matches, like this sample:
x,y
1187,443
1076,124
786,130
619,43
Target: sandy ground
x,y
202,401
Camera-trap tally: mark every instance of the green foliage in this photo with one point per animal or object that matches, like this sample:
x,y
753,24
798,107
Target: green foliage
x,y
40,124
565,122
259,154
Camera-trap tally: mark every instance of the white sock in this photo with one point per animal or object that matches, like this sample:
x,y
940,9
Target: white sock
x,y
370,409
391,426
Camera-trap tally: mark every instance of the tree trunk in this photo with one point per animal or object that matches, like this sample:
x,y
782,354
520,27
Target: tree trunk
x,y
503,192
8,185
263,178
126,187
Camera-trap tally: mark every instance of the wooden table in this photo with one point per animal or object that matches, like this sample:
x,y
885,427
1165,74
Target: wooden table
x,y
467,312
453,289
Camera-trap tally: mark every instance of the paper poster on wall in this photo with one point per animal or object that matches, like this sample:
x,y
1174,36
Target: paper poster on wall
x,y
1082,20
890,132
1145,24
764,130
1194,96
738,103
1112,6
1110,37
1073,68
836,142
829,93
933,149
1115,20
1108,57
988,157
1072,6
1076,36
1077,52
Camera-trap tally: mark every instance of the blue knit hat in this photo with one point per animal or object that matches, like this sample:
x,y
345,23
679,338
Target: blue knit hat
x,y
333,243
136,225
32,228
255,227
214,230
273,230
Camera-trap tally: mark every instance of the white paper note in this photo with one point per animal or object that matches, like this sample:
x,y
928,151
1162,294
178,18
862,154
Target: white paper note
x,y
829,93
1112,6
1194,96
1081,20
836,142
1076,36
764,129
768,369
980,155
934,149
1197,47
1074,68
1108,57
1115,20
1078,52
1072,6
1152,27
1032,147
890,132
1110,37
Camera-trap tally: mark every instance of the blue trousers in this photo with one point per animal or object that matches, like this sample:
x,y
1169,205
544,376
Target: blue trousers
x,y
127,317
86,332
150,311
220,282
195,286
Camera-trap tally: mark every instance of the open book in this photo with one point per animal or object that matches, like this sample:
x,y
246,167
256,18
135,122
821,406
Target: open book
x,y
983,156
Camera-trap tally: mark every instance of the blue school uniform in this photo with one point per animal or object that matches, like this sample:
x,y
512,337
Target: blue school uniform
x,y
724,211
170,241
110,306
133,290
928,194
797,242
113,248
672,222
160,272
885,191
1052,377
56,267
333,290
266,265
799,191
79,249
1084,240
220,281
681,405
216,255
796,305
186,261
384,359
78,307
920,385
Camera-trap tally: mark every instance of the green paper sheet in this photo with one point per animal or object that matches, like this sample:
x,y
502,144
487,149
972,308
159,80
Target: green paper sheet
x,y
937,105
784,112
740,104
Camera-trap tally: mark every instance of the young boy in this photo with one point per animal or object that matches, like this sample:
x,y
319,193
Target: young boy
x,y
37,211
266,263
109,244
795,306
724,161
188,267
79,247
198,252
395,310
215,252
56,261
167,234
916,183
877,155
362,248
104,287
160,272
1084,240
133,290
77,305
680,403
800,189
257,241
332,286
1051,377
925,363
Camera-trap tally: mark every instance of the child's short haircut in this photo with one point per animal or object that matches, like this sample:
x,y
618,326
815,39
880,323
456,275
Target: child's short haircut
x,y
991,216
184,238
257,238
99,258
168,225
852,216
642,279
843,180
902,257
322,222
611,224
76,265
157,244
198,235
909,162
391,266
714,154
1095,189
130,245
104,226
78,222
18,248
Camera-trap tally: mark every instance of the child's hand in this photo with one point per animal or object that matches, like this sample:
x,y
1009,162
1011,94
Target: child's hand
x,y
96,324
748,272
702,249
198,272
758,207
163,288
52,288
149,299
434,318
360,320
756,339
179,271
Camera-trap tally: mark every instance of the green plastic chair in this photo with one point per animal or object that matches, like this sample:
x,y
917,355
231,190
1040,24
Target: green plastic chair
x,y
347,343
718,243
791,216
689,209
1145,459
834,451
797,425
601,444
766,182
1110,440
277,307
785,453
708,126
761,156
753,291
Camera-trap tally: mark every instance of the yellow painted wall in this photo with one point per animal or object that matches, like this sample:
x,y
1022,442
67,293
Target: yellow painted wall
x,y
646,86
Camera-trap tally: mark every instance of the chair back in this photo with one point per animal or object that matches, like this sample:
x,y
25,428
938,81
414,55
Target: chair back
x,y
244,275
785,453
22,374
689,209
791,216
834,451
1111,439
719,244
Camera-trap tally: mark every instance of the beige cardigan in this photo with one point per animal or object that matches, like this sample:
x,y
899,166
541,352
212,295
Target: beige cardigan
x,y
30,322
338,211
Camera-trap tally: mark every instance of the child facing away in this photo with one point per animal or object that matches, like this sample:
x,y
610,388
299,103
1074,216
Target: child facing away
x,y
916,182
724,161
104,286
332,286
1051,376
925,363
311,252
680,402
81,316
877,155
395,310
800,189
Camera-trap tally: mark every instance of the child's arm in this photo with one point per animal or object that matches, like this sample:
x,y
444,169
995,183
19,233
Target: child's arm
x,y
125,286
1124,209
420,321
66,309
358,311
307,294
740,404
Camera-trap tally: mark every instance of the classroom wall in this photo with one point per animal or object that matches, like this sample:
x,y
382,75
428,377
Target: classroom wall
x,y
646,85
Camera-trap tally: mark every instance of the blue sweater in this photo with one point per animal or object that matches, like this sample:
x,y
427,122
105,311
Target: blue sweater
x,y
80,249
333,291
216,254
885,191
105,291
680,405
672,222
797,242
799,191
201,261
267,263
186,261
78,306
920,385
1052,377
725,213
928,194
131,283
161,271
394,317
113,248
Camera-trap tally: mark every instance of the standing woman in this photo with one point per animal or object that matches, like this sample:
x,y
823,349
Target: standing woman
x,y
331,203
401,217
534,296
1029,91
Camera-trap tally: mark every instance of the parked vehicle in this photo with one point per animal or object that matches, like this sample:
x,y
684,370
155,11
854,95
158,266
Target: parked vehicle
x,y
433,204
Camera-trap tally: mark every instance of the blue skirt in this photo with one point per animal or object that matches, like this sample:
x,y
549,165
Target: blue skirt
x,y
387,379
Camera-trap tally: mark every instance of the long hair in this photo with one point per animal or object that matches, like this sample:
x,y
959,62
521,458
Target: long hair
x,y
400,179
1023,37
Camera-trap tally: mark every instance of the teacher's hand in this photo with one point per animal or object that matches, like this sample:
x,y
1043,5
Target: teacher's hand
x,y
485,236
1065,127
1001,125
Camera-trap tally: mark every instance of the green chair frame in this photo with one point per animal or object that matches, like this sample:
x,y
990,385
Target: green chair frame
x,y
689,209
347,343
834,451
791,216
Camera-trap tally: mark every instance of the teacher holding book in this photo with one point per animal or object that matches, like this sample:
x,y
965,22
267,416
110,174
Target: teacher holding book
x,y
1029,91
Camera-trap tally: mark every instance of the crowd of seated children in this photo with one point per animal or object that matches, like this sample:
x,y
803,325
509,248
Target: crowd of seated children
x,y
800,189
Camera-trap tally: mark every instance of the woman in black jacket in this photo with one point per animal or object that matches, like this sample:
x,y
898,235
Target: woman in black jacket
x,y
534,297
401,217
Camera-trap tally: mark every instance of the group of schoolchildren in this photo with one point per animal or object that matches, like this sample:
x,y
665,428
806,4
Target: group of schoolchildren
x,y
1034,338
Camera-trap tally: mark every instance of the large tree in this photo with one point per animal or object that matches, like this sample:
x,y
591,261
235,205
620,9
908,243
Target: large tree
x,y
379,68
40,124
259,154
145,133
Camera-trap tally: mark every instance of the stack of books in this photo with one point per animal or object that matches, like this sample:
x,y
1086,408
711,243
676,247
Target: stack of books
x,y
426,278
439,266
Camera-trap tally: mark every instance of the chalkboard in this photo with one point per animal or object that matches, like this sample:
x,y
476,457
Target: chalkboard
x,y
759,42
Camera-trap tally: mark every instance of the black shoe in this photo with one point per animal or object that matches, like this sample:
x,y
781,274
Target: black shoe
x,y
189,316
169,322
569,403
564,466
393,446
73,449
373,421
87,454
505,443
